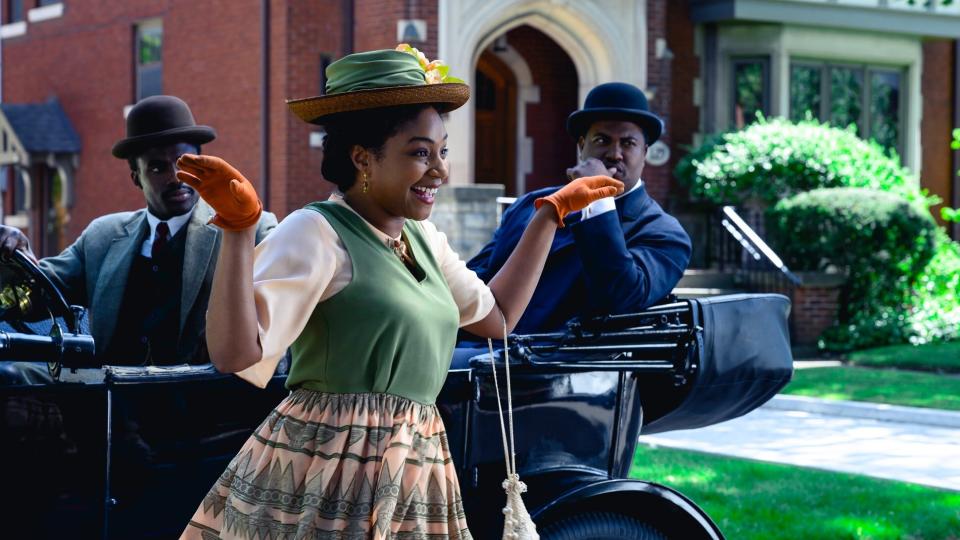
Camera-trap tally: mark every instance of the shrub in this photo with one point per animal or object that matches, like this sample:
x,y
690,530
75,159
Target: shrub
x,y
775,158
880,240
936,313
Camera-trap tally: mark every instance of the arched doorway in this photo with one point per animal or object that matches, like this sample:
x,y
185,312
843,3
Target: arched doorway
x,y
525,87
603,41
495,123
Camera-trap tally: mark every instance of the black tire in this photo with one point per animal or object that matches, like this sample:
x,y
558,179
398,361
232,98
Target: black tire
x,y
600,526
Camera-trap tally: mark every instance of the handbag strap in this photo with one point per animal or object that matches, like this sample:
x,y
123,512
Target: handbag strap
x,y
509,448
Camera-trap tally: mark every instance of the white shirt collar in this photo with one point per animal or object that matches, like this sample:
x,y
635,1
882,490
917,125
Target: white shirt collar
x,y
634,188
175,224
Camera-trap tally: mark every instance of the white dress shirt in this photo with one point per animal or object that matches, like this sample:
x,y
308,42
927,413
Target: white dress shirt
x,y
175,224
605,204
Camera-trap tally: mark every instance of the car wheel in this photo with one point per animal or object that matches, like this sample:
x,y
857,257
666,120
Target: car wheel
x,y
600,526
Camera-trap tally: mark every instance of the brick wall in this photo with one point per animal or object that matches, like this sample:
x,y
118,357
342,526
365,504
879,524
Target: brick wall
x,y
814,310
85,58
935,129
814,304
304,31
553,71
376,23
685,69
310,32
659,179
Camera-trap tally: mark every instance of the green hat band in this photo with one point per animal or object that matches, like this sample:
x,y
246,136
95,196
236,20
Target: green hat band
x,y
374,69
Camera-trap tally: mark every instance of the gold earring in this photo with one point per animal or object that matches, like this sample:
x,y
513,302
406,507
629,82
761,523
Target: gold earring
x,y
365,187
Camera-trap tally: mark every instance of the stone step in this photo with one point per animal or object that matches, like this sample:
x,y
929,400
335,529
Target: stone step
x,y
701,292
708,279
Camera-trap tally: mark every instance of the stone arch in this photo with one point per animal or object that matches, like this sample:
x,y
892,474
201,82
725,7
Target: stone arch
x,y
604,44
527,93
27,183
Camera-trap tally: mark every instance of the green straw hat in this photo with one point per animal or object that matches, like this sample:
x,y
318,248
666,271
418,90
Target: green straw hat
x,y
384,78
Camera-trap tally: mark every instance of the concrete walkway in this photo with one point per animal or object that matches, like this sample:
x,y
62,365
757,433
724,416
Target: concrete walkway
x,y
899,443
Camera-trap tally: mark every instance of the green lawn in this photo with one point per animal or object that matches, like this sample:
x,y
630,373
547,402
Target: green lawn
x,y
943,357
896,387
751,500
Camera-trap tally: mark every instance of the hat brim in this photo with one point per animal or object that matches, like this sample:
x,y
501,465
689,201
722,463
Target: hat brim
x,y
132,146
446,97
578,123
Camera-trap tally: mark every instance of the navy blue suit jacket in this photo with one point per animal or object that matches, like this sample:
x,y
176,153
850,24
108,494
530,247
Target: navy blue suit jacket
x,y
616,262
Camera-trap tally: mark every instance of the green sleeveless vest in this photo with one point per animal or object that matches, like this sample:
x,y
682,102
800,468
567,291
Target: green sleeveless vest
x,y
385,332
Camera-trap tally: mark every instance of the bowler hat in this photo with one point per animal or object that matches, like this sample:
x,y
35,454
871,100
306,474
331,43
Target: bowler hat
x,y
384,78
616,101
158,121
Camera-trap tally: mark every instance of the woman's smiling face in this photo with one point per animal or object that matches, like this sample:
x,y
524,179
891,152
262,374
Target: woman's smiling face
x,y
412,165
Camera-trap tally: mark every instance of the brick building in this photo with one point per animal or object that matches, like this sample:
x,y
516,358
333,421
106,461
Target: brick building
x,y
705,64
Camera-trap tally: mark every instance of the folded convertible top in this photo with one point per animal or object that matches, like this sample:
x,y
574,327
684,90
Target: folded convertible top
x,y
744,360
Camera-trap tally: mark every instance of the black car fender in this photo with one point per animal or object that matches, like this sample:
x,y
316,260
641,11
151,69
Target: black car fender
x,y
664,508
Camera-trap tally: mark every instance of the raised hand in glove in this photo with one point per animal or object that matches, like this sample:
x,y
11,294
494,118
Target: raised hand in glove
x,y
226,190
579,193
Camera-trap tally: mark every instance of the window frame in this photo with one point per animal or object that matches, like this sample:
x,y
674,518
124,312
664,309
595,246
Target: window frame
x,y
139,68
866,69
766,102
8,11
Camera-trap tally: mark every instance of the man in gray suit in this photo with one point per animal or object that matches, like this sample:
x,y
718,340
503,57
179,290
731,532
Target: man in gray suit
x,y
146,275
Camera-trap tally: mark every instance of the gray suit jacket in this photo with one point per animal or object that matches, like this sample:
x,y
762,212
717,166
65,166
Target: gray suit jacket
x,y
93,271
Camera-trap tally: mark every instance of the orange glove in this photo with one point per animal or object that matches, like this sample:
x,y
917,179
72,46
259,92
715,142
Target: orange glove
x,y
579,193
226,190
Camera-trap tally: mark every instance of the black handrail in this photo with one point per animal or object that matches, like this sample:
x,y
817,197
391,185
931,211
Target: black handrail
x,y
753,245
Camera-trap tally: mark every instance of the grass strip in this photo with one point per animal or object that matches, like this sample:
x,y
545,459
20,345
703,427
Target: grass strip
x,y
941,357
752,500
891,386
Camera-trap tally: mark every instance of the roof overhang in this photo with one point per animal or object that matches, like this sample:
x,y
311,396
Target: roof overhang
x,y
868,15
37,133
12,152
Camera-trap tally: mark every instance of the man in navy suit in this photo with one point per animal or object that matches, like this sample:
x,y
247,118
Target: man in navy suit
x,y
619,254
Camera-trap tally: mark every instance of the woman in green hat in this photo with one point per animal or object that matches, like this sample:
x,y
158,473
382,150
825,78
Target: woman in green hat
x,y
369,296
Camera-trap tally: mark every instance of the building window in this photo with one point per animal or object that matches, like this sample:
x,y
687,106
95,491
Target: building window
x,y
148,45
14,11
41,3
868,97
751,90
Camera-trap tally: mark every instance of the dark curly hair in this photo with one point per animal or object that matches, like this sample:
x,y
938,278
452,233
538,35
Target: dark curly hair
x,y
369,129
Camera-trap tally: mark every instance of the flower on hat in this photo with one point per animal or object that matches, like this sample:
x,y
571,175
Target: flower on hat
x,y
435,71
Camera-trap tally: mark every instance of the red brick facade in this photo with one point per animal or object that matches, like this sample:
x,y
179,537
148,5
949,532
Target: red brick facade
x,y
685,70
213,58
813,310
658,180
85,58
938,92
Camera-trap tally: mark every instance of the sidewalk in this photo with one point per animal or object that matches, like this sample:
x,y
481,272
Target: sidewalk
x,y
898,443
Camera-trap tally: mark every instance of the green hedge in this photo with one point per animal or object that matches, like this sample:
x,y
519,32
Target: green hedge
x,y
880,240
775,158
893,297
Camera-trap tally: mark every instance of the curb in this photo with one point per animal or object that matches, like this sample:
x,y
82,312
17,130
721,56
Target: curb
x,y
871,411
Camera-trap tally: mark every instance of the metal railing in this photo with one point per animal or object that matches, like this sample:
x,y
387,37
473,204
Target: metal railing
x,y
738,248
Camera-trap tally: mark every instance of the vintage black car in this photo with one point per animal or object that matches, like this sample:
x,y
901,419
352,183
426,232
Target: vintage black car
x,y
94,451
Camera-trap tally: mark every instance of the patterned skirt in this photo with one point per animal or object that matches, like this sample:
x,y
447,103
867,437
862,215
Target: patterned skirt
x,y
338,466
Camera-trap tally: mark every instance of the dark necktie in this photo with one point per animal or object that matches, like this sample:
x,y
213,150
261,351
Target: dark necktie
x,y
160,239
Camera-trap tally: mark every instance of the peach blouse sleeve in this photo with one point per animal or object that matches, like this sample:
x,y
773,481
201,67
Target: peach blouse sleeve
x,y
299,264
